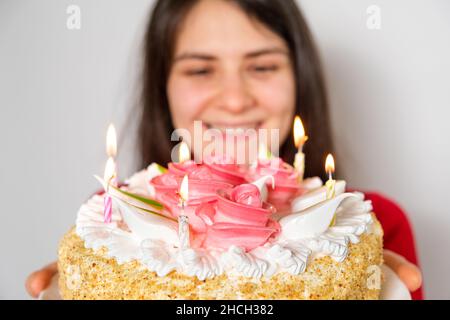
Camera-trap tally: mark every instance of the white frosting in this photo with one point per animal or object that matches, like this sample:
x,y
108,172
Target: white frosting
x,y
292,257
261,185
313,221
315,196
159,253
140,179
148,226
245,263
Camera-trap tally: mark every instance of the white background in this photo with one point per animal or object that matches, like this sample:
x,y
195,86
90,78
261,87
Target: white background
x,y
59,89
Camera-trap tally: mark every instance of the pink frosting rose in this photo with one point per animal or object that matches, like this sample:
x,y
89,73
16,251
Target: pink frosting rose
x,y
224,168
223,208
164,183
238,217
191,168
171,180
286,181
200,192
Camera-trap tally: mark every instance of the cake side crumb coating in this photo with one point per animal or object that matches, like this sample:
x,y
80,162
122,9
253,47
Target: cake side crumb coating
x,y
88,274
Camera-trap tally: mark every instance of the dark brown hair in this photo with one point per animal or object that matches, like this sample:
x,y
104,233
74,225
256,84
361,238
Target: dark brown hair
x,y
284,18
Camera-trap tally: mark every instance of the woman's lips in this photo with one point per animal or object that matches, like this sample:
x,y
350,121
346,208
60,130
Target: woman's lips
x,y
234,127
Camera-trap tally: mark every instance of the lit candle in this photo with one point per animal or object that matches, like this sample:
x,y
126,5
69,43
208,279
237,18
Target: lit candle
x,y
183,220
110,175
184,154
111,141
330,184
263,152
299,140
109,178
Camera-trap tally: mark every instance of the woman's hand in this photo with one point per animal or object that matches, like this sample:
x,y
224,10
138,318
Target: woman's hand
x,y
39,280
405,270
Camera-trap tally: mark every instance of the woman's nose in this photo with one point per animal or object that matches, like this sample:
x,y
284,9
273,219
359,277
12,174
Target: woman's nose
x,y
235,95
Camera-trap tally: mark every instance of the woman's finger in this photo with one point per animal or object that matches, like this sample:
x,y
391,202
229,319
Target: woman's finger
x,y
405,270
39,280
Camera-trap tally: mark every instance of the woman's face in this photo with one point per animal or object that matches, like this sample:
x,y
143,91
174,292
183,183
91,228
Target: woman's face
x,y
230,71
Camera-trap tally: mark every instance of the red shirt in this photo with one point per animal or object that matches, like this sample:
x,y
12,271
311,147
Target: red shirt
x,y
398,235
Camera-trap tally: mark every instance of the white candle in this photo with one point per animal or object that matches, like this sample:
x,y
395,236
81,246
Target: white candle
x,y
183,220
184,154
331,183
299,140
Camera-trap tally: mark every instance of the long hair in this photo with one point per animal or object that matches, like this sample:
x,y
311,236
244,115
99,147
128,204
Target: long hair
x,y
284,18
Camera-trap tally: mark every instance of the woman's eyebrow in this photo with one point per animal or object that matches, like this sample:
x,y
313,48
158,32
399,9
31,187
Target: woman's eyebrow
x,y
209,57
194,55
261,52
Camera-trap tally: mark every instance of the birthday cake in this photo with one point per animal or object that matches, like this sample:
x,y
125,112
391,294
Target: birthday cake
x,y
217,230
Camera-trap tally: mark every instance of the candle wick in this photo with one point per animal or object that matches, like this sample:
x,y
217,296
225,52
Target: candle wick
x,y
182,202
108,184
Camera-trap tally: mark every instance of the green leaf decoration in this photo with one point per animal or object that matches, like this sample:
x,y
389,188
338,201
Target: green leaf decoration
x,y
153,203
161,168
151,212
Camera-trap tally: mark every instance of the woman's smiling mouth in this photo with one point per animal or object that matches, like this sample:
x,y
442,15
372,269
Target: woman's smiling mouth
x,y
223,127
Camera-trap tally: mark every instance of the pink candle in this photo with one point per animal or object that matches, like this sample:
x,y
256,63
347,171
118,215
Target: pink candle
x,y
110,178
108,209
110,175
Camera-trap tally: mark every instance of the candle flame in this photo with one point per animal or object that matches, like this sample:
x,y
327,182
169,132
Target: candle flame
x,y
111,141
184,189
110,170
299,132
263,153
329,164
184,154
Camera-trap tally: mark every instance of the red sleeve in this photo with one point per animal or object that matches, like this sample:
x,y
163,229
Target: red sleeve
x,y
398,235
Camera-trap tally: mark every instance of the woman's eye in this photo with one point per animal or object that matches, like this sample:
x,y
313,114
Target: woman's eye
x,y
264,69
198,72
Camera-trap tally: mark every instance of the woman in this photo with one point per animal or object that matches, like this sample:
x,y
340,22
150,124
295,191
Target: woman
x,y
243,64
